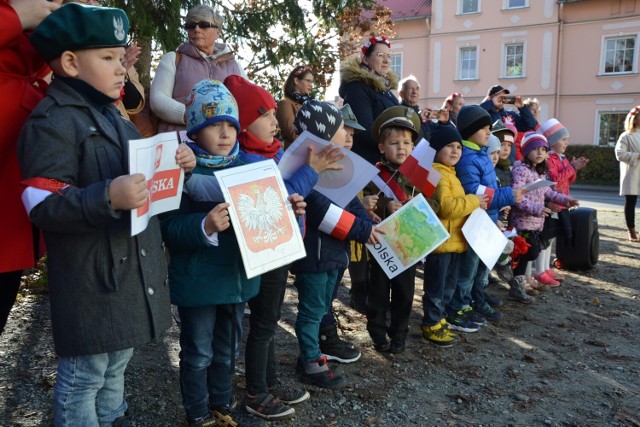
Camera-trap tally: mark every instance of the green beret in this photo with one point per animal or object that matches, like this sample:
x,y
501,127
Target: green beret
x,y
75,27
399,117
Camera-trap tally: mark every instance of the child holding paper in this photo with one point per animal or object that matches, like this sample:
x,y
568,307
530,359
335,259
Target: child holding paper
x,y
529,213
108,289
328,231
395,130
442,266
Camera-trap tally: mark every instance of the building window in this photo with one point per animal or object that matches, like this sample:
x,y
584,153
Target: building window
x,y
516,4
620,55
514,60
468,6
396,64
611,126
468,65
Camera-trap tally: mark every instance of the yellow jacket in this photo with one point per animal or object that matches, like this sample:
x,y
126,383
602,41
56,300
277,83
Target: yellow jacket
x,y
455,208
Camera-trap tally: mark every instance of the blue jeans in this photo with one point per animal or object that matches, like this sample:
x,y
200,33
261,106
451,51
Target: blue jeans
x,y
208,339
469,268
328,320
89,389
440,278
315,295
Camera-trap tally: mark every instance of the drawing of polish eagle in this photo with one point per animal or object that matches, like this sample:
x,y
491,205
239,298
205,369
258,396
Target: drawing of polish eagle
x,y
262,213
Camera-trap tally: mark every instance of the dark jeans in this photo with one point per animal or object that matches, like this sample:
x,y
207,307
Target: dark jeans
x,y
9,285
440,280
630,210
533,238
395,294
260,353
208,338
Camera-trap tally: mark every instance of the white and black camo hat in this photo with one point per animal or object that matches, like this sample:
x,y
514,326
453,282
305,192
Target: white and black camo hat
x,y
320,118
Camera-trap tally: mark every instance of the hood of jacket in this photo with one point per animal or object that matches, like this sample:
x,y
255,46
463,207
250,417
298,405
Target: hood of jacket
x,y
350,70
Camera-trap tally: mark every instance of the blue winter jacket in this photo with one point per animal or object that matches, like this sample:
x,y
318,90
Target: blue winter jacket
x,y
475,169
524,121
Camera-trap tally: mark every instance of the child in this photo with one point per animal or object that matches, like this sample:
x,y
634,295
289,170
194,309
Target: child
x,y
395,131
506,133
563,172
476,173
328,230
266,396
493,149
442,265
108,289
528,214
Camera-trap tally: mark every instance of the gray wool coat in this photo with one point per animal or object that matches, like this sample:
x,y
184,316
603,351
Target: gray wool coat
x,y
108,290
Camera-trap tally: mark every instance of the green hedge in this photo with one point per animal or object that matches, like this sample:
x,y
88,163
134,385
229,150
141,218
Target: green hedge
x,y
603,168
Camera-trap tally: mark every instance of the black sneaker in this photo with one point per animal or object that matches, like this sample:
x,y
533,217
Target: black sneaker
x,y
237,417
318,374
336,349
289,394
489,313
493,301
208,421
267,406
397,345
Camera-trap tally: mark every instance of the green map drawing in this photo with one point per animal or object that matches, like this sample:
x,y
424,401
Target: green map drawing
x,y
413,232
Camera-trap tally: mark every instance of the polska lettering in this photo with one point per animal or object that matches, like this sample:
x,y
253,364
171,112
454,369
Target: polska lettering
x,y
386,256
162,185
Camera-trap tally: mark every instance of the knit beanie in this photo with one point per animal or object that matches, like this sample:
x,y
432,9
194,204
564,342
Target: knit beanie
x,y
493,145
553,130
471,119
444,135
531,141
210,102
322,119
253,100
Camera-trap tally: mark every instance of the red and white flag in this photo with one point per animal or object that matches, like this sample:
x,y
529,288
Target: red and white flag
x,y
419,170
486,191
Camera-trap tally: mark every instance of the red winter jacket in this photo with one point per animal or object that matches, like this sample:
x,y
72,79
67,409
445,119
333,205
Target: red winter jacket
x,y
21,89
560,171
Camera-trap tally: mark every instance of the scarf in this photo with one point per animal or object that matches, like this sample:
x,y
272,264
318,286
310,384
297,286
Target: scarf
x,y
251,144
387,83
298,97
207,160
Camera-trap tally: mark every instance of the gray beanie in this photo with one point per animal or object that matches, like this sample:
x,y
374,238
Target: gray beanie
x,y
471,119
493,145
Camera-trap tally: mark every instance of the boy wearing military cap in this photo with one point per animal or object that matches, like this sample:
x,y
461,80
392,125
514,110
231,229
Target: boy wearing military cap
x,y
108,289
395,130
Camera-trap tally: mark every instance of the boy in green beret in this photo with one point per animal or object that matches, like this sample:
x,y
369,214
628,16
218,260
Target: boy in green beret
x,y
108,290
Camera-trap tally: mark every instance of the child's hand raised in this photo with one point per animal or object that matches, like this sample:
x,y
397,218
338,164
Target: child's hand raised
x,y
374,238
326,159
370,202
579,163
185,157
128,192
217,219
298,204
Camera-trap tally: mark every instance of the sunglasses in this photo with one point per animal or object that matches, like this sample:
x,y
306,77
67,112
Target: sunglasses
x,y
202,24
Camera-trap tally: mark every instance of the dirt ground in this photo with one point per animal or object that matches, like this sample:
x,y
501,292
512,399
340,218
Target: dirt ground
x,y
570,359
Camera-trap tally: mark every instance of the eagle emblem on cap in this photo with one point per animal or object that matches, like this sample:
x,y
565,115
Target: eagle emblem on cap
x,y
118,24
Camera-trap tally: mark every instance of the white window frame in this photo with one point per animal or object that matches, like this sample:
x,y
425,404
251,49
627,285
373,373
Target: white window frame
x,y
459,61
401,56
506,5
603,53
460,4
503,68
599,113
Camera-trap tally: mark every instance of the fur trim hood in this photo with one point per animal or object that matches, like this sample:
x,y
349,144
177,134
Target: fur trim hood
x,y
350,70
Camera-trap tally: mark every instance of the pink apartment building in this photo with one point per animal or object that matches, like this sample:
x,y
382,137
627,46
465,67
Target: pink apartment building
x,y
580,58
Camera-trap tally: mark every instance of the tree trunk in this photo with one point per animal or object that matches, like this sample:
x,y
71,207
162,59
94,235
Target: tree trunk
x,y
144,62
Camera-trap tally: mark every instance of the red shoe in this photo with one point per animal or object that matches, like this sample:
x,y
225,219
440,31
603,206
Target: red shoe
x,y
545,279
554,276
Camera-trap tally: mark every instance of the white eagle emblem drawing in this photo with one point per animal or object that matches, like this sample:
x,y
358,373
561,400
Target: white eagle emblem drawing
x,y
262,214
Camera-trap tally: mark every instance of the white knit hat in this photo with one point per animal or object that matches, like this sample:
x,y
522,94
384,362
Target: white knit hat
x,y
553,130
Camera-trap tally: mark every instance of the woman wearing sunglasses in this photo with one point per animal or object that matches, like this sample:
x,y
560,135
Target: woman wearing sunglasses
x,y
201,57
366,85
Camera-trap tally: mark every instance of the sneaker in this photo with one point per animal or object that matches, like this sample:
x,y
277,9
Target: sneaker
x,y
535,284
289,394
336,349
493,301
318,374
517,291
237,417
492,278
208,421
439,335
444,323
267,406
459,322
397,346
555,276
545,279
504,272
488,312
473,316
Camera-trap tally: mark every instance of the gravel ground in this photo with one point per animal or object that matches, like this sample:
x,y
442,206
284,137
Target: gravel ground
x,y
570,359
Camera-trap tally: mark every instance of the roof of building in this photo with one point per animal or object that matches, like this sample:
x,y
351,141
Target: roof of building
x,y
407,9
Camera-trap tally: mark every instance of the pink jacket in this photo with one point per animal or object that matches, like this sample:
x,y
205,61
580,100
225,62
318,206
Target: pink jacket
x,y
561,171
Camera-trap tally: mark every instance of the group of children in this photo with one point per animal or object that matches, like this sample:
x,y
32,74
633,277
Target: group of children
x,y
110,291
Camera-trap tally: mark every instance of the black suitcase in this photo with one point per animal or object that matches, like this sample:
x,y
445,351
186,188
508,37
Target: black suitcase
x,y
583,250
